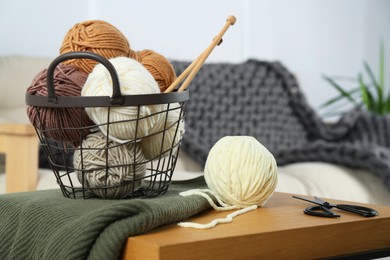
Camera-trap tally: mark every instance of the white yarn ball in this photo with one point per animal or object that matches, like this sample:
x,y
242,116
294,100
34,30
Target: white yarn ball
x,y
151,145
124,162
134,79
241,171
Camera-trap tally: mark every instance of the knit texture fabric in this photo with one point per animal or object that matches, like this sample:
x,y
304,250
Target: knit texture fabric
x,y
263,99
45,225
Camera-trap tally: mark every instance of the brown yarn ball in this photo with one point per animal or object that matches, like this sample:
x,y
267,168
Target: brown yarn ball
x,y
68,81
95,36
160,68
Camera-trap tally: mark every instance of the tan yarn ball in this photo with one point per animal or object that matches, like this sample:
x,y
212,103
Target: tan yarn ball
x,y
95,36
160,68
109,170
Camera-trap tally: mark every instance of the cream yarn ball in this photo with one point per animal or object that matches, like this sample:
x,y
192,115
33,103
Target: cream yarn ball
x,y
241,171
134,79
170,138
124,161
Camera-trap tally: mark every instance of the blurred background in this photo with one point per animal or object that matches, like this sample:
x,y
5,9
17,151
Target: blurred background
x,y
311,38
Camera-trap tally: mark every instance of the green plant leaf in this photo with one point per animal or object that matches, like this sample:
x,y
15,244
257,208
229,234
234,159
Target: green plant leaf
x,y
340,89
371,74
372,107
382,77
339,98
365,93
387,107
379,90
382,67
337,108
372,94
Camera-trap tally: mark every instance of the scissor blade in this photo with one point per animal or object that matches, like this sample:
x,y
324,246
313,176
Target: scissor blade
x,y
319,201
312,201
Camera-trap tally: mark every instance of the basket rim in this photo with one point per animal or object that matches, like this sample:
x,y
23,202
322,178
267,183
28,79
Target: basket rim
x,y
106,101
116,100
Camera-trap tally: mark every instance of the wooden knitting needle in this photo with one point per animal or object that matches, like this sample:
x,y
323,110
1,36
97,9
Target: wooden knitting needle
x,y
231,20
184,74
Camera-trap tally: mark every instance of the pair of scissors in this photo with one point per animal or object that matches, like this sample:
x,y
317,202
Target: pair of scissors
x,y
323,209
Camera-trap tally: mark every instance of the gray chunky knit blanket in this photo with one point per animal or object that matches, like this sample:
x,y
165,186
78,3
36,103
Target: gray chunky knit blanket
x,y
263,99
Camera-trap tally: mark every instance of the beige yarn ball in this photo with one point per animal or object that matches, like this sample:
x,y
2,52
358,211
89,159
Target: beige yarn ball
x,y
124,161
241,171
134,79
151,145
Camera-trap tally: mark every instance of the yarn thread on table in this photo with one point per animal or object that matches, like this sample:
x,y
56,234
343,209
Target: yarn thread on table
x,y
240,173
95,36
61,124
129,122
159,66
160,143
110,170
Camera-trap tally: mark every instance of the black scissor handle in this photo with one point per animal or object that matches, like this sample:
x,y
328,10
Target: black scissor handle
x,y
320,211
363,211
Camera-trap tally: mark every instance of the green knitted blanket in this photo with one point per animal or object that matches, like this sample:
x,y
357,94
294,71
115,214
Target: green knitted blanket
x,y
46,225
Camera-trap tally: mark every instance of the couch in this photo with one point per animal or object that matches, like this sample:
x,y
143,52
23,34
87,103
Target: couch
x,y
317,177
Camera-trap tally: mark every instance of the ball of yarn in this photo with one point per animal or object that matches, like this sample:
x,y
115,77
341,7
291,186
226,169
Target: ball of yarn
x,y
134,79
109,170
61,124
95,36
241,171
160,68
168,134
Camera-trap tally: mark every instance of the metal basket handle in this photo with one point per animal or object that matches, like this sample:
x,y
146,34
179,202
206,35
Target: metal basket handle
x,y
116,98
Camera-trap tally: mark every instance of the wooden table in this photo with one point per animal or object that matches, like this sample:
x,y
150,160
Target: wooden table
x,y
279,231
19,142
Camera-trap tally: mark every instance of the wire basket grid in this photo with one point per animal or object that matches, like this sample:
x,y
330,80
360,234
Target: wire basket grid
x,y
112,169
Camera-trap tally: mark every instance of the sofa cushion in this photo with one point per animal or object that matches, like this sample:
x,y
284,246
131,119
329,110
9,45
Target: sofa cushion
x,y
263,100
16,74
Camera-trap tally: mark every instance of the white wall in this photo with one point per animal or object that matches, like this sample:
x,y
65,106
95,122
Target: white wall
x,y
311,37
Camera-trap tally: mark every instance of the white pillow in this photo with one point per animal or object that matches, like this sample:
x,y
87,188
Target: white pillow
x,y
332,181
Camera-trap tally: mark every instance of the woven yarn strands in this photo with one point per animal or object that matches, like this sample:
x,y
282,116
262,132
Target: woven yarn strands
x,y
79,135
95,36
110,170
134,79
240,173
160,68
62,124
168,134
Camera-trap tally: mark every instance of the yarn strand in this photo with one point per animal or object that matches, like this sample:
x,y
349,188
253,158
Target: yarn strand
x,y
223,207
204,194
229,218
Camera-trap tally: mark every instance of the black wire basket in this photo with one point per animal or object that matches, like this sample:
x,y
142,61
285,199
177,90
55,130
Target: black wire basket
x,y
110,177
